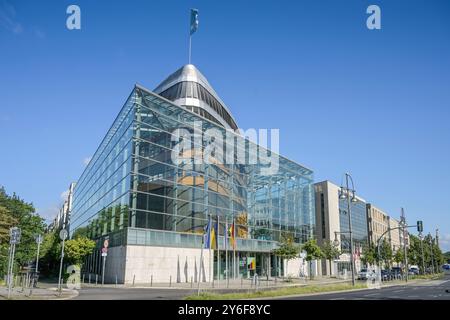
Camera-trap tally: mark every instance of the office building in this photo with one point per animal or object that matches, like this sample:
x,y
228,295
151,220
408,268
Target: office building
x,y
153,208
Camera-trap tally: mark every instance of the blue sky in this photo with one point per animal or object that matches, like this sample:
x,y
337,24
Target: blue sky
x,y
345,98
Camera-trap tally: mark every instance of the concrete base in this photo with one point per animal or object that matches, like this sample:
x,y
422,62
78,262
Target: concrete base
x,y
143,264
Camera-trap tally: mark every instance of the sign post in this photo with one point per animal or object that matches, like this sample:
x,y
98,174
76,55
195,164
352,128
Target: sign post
x,y
104,255
63,236
14,234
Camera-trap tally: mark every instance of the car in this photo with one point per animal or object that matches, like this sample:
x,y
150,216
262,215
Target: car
x,y
365,274
414,270
396,272
386,275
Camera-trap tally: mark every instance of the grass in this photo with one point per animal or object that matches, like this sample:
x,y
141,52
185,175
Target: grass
x,y
429,276
275,293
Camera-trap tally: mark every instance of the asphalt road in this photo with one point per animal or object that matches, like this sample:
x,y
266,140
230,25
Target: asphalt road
x,y
430,290
131,294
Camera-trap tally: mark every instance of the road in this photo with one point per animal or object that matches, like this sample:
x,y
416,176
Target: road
x,y
98,293
429,290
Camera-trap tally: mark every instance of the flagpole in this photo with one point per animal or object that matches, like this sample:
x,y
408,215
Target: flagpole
x,y
190,47
226,247
235,264
218,253
201,260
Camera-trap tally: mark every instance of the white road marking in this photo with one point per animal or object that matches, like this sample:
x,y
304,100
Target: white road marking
x,y
371,295
338,299
396,291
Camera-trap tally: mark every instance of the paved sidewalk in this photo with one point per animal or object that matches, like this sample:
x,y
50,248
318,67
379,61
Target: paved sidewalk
x,y
37,294
226,286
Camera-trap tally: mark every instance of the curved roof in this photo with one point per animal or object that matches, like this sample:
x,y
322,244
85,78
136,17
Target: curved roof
x,y
188,87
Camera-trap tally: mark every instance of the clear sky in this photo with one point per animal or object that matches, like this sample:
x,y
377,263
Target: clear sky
x,y
375,103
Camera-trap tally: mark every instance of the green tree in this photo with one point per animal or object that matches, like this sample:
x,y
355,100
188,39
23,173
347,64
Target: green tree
x,y
21,214
76,250
313,252
330,252
399,256
446,257
369,256
6,222
287,250
49,253
386,253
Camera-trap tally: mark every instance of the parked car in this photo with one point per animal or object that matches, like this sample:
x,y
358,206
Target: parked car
x,y
365,274
414,270
396,272
385,275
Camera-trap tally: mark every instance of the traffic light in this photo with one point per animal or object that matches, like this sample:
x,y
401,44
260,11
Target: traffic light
x,y
419,226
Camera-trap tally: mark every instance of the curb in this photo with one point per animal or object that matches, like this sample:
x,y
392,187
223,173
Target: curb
x,y
308,294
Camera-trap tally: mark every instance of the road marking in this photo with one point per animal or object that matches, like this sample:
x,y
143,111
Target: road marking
x,y
337,299
371,295
396,291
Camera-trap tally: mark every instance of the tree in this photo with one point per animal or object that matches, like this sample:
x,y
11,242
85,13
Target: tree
x,y
399,256
446,257
6,222
385,253
287,250
313,252
330,252
49,253
18,213
77,249
369,256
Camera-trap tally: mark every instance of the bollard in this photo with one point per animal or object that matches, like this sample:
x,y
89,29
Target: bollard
x,y
192,281
242,281
116,280
134,278
89,278
84,274
170,281
151,281
213,283
96,279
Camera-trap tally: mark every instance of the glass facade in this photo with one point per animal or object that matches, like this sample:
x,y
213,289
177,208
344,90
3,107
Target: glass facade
x,y
134,193
359,224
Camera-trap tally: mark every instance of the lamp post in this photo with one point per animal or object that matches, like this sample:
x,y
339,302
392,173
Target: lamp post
x,y
432,257
423,256
345,194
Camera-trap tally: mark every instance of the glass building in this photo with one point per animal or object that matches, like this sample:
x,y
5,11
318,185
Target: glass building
x,y
153,210
359,225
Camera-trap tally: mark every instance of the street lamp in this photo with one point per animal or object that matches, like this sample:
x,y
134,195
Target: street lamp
x,y
345,194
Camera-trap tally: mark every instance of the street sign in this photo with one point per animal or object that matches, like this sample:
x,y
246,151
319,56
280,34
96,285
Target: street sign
x,y
15,235
104,254
39,238
303,254
63,234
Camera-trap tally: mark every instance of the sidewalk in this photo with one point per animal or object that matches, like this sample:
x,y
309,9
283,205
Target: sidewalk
x,y
37,294
226,286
